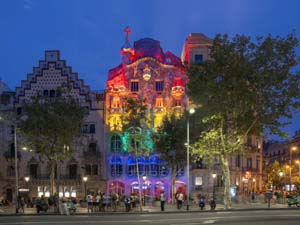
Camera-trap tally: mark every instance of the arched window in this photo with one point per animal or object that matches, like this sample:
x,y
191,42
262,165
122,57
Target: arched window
x,y
131,167
116,168
92,147
115,143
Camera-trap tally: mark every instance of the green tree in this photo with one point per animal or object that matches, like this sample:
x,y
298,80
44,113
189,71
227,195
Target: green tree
x,y
137,132
244,89
273,175
170,141
52,128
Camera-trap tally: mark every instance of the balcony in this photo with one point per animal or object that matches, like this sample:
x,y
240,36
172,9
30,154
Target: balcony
x,y
177,91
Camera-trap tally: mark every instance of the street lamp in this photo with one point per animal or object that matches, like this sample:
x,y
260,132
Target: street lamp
x,y
144,187
26,179
85,178
290,176
16,167
214,175
298,162
191,111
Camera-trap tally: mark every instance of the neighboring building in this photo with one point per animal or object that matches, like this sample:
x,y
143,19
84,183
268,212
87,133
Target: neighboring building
x,y
89,159
246,168
6,139
287,153
146,71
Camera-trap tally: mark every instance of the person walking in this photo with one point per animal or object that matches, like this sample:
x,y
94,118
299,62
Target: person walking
x,y
162,200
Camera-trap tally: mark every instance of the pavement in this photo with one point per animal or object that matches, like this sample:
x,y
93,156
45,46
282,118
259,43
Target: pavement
x,y
169,208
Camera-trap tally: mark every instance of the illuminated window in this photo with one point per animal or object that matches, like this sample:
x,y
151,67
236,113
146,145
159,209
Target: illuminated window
x,y
115,143
159,85
134,86
116,168
131,167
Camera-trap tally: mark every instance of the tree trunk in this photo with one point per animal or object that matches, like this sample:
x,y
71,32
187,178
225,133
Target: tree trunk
x,y
226,172
52,176
174,172
138,176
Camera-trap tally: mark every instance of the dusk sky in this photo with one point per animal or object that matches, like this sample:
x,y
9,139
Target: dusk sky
x,y
89,33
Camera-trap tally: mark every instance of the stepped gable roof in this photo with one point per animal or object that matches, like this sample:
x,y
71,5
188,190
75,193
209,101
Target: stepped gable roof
x,y
4,87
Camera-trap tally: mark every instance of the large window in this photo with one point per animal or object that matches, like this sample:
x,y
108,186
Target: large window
x,y
93,147
33,170
134,86
131,167
115,143
92,128
73,171
116,168
159,85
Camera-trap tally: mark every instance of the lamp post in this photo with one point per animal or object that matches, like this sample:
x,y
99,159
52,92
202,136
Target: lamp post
x,y
85,178
298,162
214,175
191,111
292,149
290,175
144,179
16,167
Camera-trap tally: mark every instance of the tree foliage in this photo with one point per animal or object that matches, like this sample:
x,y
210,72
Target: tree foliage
x,y
51,124
52,128
249,84
272,174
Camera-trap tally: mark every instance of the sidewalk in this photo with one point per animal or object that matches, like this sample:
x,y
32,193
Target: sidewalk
x,y
153,209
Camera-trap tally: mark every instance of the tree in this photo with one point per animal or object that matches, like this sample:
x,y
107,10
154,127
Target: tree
x,y
170,141
244,89
273,175
137,132
52,128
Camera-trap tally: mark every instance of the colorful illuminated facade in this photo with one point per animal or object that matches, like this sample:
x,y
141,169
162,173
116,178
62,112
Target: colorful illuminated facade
x,y
146,72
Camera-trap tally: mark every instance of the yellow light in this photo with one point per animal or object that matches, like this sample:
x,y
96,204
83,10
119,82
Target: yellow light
x,y
294,148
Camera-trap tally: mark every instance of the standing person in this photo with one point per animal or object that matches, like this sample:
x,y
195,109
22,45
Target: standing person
x,y
179,198
90,202
98,200
162,200
114,200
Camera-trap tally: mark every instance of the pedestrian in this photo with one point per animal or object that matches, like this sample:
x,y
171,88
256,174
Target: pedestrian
x,y
98,200
179,199
127,202
162,200
114,201
90,202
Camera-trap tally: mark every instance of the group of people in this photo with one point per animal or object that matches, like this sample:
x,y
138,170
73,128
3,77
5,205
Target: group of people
x,y
100,202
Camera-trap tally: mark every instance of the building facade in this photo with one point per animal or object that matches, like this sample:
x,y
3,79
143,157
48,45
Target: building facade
x,y
88,160
146,72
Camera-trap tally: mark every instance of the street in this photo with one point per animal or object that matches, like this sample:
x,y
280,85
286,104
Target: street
x,y
257,217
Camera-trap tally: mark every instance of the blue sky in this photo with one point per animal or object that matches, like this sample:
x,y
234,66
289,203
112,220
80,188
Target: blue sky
x,y
89,33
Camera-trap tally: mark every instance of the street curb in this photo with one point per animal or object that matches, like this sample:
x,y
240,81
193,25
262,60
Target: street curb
x,y
149,212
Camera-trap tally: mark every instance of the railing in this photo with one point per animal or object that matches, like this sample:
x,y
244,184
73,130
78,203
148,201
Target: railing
x,y
62,177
